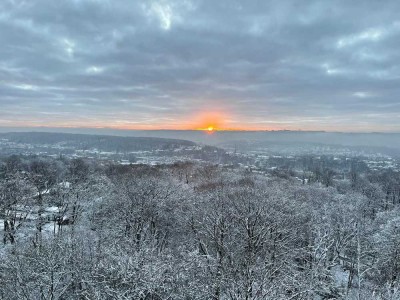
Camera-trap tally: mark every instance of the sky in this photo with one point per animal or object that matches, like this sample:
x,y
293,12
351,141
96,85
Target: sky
x,y
191,64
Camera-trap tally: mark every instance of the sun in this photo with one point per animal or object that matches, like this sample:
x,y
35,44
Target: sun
x,y
209,129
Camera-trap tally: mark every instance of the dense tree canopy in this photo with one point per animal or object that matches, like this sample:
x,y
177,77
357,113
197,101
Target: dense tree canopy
x,y
74,229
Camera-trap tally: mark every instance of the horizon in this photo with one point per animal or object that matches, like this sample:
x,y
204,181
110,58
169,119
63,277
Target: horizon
x,y
11,129
385,141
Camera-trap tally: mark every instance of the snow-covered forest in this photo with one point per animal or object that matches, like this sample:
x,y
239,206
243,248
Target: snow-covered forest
x,y
81,229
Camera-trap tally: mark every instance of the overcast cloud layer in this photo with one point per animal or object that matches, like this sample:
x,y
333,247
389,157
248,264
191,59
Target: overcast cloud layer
x,y
311,65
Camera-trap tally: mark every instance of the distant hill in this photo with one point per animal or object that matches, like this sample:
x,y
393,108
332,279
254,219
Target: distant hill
x,y
101,142
388,141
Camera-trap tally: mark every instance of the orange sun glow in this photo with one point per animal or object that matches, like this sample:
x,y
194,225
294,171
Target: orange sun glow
x,y
209,121
210,129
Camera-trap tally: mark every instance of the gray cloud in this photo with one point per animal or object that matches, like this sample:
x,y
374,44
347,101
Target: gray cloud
x,y
268,64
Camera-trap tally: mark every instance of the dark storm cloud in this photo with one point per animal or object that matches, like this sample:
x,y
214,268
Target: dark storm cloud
x,y
285,64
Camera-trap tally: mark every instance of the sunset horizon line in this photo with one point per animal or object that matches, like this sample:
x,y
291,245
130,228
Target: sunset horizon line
x,y
206,130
